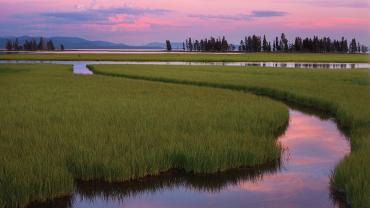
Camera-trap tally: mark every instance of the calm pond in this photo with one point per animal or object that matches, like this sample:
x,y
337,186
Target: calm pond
x,y
79,67
313,145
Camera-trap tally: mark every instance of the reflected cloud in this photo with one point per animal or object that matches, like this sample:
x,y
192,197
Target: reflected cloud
x,y
301,181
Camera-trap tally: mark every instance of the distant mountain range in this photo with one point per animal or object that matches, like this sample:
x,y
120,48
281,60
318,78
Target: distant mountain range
x,y
80,43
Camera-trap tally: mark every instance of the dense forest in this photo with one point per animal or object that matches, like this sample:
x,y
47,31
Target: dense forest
x,y
256,43
31,45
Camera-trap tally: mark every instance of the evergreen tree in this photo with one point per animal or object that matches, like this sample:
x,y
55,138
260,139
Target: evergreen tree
x,y
34,45
255,43
298,44
16,45
353,46
284,43
224,44
190,45
265,45
277,45
168,45
246,44
242,46
231,47
358,47
344,45
197,45
187,44
50,45
62,47
364,49
27,45
212,44
201,45
40,45
9,45
269,47
250,44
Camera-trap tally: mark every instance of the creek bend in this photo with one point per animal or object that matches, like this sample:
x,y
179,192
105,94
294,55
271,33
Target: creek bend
x,y
313,147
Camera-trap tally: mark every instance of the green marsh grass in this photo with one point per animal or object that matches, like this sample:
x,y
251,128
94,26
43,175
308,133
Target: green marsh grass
x,y
56,127
345,94
204,57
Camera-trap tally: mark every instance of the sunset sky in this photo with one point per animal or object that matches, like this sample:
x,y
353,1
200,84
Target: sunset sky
x,y
143,21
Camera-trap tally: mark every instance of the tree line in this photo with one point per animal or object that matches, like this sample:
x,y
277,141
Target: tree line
x,y
31,45
256,43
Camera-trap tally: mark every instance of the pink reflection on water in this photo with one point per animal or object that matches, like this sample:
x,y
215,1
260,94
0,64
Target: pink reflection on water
x,y
314,147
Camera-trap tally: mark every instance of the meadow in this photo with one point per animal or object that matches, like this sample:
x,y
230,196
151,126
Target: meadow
x,y
56,127
203,57
344,94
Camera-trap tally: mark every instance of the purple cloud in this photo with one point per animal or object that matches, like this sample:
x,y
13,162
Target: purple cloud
x,y
253,14
100,16
268,13
223,17
336,3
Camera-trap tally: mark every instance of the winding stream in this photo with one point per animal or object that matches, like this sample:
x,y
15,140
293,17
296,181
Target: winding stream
x,y
314,146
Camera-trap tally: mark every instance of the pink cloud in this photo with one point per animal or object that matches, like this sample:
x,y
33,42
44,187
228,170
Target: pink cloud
x,y
197,18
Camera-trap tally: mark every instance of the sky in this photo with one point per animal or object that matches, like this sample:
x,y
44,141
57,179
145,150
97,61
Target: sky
x,y
143,21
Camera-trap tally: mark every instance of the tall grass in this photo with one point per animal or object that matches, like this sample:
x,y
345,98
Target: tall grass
x,y
344,94
56,127
206,57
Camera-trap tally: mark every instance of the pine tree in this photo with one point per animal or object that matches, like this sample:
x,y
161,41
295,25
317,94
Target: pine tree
x,y
255,43
197,45
224,44
242,46
9,45
33,45
345,46
201,45
269,47
298,44
277,45
359,47
50,45
284,43
16,44
265,46
168,45
40,45
27,45
353,46
190,45
364,49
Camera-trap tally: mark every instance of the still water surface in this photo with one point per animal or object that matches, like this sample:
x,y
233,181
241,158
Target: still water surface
x,y
79,67
313,146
